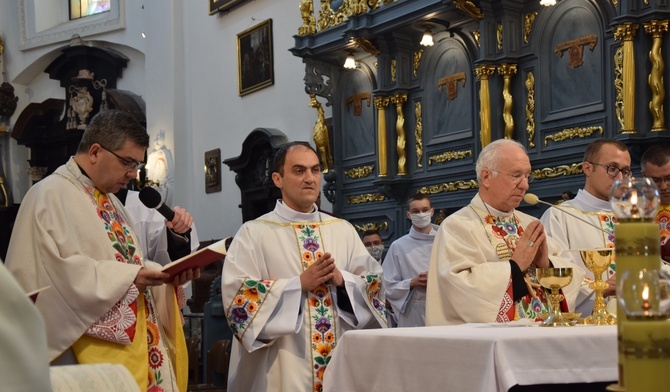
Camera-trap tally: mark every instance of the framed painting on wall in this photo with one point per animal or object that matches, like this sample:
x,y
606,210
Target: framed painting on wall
x,y
255,59
213,171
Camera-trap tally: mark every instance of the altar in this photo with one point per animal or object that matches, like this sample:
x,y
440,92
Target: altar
x,y
471,358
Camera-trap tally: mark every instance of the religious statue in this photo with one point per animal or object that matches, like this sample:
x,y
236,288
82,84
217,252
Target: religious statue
x,y
308,19
320,135
82,104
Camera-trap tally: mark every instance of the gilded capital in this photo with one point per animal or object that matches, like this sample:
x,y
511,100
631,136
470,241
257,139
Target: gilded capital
x,y
507,69
625,32
484,71
656,28
382,102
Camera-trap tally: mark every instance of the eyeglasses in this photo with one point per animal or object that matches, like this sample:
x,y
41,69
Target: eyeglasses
x,y
518,177
614,171
129,164
660,181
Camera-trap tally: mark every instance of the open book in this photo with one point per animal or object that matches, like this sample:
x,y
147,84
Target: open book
x,y
101,377
198,259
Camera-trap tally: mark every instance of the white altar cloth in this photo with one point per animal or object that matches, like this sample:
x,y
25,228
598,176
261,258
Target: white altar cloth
x,y
471,357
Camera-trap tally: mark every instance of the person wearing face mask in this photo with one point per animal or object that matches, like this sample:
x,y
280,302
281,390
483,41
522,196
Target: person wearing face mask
x,y
406,264
373,243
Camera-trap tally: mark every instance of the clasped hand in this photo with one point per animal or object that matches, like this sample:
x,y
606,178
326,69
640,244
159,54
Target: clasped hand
x,y
531,248
323,270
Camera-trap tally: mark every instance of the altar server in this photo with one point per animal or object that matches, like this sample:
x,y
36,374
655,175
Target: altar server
x,y
406,264
294,281
484,254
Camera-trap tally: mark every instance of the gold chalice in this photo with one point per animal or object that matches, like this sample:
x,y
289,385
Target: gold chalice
x,y
555,279
598,261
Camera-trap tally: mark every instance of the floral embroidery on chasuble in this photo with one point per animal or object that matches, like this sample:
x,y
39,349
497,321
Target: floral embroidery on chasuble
x,y
118,325
504,233
663,219
607,222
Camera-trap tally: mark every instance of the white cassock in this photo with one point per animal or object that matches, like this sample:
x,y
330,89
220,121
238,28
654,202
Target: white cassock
x,y
285,337
407,257
149,226
573,234
24,362
469,278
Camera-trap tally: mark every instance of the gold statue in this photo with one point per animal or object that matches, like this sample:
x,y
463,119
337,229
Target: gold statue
x,y
320,135
308,19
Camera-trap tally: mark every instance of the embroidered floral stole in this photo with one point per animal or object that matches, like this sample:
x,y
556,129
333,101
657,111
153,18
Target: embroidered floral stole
x,y
504,233
321,310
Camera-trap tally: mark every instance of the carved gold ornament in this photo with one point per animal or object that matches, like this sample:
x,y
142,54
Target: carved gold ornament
x,y
393,71
476,36
308,20
416,61
449,187
383,226
575,49
618,85
365,198
572,133
418,134
359,172
451,84
469,8
399,100
357,101
528,20
530,109
499,37
380,104
626,33
562,170
448,156
365,45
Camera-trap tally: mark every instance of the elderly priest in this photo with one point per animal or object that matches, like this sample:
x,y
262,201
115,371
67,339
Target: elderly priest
x,y
484,255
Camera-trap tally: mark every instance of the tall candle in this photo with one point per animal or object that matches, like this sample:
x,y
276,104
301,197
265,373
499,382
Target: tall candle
x,y
637,247
647,354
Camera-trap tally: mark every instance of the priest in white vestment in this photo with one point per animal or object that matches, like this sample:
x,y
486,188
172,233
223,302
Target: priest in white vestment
x,y
105,304
484,255
605,161
406,264
294,280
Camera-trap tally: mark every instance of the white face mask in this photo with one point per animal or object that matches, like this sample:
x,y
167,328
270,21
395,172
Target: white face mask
x,y
421,220
376,251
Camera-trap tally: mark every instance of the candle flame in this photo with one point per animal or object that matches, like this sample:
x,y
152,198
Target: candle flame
x,y
645,293
633,197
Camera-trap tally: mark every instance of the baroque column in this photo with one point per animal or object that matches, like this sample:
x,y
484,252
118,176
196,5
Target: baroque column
x,y
399,100
656,28
381,103
483,72
625,33
507,71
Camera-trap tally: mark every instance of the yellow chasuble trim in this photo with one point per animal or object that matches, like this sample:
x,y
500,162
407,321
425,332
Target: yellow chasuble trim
x,y
90,350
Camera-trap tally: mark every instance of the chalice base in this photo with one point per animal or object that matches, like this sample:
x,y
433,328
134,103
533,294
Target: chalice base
x,y
556,321
600,317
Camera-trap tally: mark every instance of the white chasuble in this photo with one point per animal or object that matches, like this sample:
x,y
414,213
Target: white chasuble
x,y
469,280
70,236
285,338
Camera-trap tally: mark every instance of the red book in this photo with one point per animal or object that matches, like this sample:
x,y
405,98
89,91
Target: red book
x,y
198,259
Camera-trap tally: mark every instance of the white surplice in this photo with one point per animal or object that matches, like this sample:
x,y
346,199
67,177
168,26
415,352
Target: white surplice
x,y
573,234
407,257
467,278
24,362
285,337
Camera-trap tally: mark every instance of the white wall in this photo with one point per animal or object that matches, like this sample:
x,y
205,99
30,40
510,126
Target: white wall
x,y
186,71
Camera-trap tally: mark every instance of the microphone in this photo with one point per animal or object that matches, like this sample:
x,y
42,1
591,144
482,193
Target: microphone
x,y
152,199
532,199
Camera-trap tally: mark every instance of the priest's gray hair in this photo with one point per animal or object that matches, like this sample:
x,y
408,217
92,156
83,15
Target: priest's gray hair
x,y
491,157
111,129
